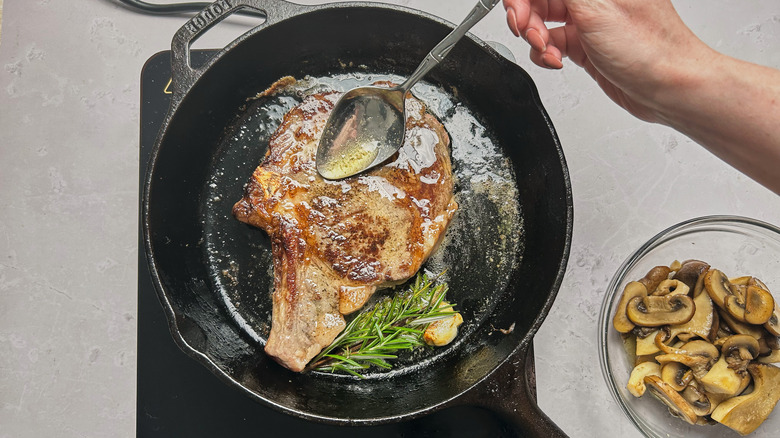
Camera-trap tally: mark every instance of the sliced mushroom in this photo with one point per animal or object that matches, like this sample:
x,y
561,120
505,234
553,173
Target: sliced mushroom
x,y
655,311
662,336
698,288
738,351
723,329
759,305
755,307
677,405
740,281
636,383
746,412
771,341
676,375
721,379
671,287
647,346
697,355
620,321
715,325
753,281
737,327
697,400
654,277
643,332
773,325
763,344
690,271
773,357
700,324
718,286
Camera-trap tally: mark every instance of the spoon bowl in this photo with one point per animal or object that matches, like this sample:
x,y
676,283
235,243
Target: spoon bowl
x,y
367,125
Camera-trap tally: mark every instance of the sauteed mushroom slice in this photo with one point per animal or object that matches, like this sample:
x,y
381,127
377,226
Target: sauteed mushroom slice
x,y
676,375
698,400
698,288
690,271
773,325
671,287
723,380
646,345
773,357
736,327
738,286
662,336
654,277
677,405
643,332
697,355
753,281
756,307
620,321
767,344
739,350
718,286
700,324
759,305
746,412
771,341
656,311
636,383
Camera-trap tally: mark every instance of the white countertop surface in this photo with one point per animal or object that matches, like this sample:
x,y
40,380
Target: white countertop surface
x,y
69,123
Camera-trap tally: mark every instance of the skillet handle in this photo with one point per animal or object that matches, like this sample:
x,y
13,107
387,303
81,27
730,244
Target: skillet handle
x,y
514,403
183,74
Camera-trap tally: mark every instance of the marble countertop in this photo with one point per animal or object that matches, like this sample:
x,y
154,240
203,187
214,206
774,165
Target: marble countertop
x,y
69,123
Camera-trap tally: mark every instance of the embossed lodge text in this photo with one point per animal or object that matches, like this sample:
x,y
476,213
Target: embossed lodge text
x,y
207,16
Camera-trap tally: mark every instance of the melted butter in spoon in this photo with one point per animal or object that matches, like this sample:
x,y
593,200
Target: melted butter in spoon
x,y
363,128
354,157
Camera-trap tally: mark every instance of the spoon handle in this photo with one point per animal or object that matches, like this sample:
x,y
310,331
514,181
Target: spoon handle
x,y
441,50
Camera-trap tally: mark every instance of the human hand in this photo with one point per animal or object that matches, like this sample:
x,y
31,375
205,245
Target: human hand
x,y
632,48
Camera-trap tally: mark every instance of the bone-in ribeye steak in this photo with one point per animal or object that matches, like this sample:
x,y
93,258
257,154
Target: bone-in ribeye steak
x,y
336,242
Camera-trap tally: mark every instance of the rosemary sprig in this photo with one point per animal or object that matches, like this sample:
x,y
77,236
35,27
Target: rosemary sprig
x,y
393,324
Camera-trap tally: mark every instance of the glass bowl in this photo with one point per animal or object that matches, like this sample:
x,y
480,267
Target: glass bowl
x,y
735,245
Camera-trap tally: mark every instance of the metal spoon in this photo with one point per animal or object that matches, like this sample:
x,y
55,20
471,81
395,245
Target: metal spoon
x,y
367,125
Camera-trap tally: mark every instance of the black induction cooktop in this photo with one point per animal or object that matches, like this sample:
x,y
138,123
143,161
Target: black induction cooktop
x,y
178,397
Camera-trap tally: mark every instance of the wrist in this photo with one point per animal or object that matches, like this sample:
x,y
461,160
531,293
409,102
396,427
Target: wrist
x,y
678,84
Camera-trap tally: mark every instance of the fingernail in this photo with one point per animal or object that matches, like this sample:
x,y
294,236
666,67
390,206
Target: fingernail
x,y
511,20
535,39
551,61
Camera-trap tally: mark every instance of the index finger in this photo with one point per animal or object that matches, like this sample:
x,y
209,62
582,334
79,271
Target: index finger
x,y
526,15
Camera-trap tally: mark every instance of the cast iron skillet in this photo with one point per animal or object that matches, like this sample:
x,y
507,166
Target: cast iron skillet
x,y
184,214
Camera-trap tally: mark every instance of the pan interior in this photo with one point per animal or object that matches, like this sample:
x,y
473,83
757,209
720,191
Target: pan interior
x,y
206,152
481,248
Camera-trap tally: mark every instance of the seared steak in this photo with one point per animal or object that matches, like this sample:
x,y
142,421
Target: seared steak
x,y
336,242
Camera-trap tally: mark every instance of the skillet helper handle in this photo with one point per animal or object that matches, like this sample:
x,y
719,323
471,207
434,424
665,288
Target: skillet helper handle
x,y
183,74
438,53
509,392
